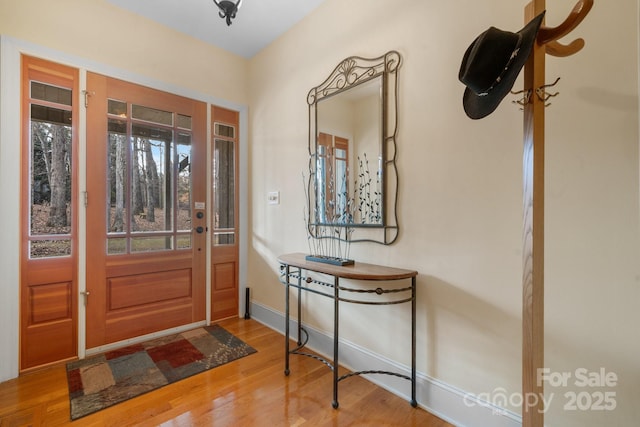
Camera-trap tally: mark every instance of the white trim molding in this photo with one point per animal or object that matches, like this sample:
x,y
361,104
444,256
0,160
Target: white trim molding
x,y
9,214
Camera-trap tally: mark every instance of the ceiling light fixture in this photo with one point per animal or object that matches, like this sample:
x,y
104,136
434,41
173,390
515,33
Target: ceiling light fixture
x,y
228,9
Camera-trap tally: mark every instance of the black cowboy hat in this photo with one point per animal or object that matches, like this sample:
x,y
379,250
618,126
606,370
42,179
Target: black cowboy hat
x,y
491,65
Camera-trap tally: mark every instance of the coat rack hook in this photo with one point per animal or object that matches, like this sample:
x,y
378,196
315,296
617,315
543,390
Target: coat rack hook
x,y
524,99
556,48
579,12
543,95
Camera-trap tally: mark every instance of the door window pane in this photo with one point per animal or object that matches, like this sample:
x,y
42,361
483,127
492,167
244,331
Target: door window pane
x,y
183,241
49,248
150,244
117,196
224,130
49,93
333,201
183,153
116,246
342,192
152,115
224,238
50,115
322,184
149,178
183,122
152,177
224,191
117,108
50,175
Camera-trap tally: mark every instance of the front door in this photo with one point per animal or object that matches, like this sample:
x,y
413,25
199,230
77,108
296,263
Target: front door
x,y
146,227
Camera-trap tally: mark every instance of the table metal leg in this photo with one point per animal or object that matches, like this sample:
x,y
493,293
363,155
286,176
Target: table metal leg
x,y
286,325
300,307
414,402
336,311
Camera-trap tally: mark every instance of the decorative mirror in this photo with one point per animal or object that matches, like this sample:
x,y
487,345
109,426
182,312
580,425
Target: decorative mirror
x,y
353,180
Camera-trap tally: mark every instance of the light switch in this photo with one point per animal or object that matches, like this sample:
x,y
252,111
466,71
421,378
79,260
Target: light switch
x,y
273,197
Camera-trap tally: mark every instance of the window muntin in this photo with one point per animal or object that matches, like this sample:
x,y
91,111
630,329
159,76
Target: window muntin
x,y
149,179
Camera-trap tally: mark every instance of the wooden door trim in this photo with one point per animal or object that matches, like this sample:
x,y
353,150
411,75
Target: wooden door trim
x,y
224,300
61,272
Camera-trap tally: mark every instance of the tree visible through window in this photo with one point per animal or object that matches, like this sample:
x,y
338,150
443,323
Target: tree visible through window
x,y
149,179
224,189
50,163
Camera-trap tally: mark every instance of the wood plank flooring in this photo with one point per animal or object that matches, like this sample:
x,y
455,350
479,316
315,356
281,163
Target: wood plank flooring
x,y
252,391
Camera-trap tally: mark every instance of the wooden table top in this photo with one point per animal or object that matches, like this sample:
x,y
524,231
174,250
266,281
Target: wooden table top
x,y
358,270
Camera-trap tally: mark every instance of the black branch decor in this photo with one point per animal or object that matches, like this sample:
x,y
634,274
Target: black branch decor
x,y
368,193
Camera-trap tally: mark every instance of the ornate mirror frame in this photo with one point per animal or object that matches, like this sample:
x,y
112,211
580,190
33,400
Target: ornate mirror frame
x,y
349,74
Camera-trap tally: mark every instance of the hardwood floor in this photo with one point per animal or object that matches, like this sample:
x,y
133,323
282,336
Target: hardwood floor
x,y
252,391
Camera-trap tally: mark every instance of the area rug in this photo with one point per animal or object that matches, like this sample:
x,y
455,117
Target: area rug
x,y
104,380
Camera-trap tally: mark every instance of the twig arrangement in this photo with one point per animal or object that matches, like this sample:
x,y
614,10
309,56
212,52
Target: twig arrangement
x,y
330,239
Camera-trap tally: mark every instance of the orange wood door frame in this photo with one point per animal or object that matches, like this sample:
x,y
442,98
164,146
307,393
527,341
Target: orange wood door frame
x,y
48,285
225,257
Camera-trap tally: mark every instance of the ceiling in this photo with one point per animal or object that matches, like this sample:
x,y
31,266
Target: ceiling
x,y
257,24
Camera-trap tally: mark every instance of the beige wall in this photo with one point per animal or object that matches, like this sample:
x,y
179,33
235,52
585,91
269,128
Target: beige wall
x,y
460,180
96,30
460,194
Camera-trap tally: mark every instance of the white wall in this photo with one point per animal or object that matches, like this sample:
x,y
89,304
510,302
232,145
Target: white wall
x,y
460,196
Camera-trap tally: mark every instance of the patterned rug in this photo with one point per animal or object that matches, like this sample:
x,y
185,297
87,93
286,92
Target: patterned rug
x,y
101,381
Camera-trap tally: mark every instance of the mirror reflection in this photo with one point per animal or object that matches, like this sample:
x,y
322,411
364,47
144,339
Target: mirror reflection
x,y
349,156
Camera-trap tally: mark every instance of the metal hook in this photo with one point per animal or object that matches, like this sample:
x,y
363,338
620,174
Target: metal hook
x,y
87,94
524,99
543,95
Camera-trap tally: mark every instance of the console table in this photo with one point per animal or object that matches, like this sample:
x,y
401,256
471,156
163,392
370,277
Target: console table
x,y
294,274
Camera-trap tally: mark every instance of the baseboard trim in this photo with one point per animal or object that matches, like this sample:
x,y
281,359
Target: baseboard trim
x,y
447,402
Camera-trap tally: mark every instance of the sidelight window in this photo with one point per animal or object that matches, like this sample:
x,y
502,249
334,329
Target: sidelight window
x,y
224,184
50,163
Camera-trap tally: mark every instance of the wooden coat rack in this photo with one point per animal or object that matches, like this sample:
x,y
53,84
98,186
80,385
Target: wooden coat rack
x,y
534,104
